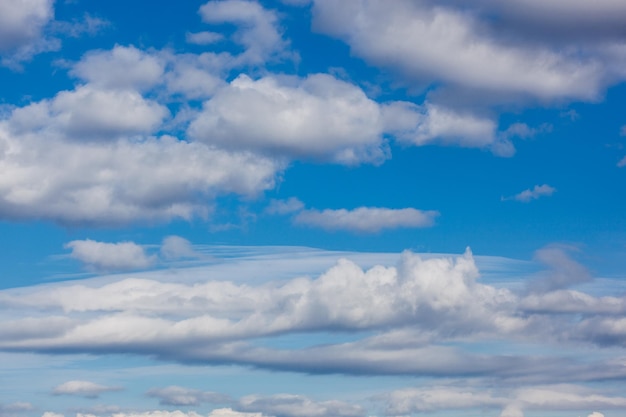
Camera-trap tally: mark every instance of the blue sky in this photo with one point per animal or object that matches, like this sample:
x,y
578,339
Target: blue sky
x,y
288,208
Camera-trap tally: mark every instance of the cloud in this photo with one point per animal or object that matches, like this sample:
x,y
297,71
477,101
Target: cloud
x,y
430,44
83,389
176,247
426,316
110,256
120,68
119,181
180,396
204,38
282,207
286,405
436,124
8,410
512,401
257,28
527,196
89,113
564,271
22,25
317,117
366,219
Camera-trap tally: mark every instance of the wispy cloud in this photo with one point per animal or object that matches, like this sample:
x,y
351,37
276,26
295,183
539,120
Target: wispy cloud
x,y
83,389
531,194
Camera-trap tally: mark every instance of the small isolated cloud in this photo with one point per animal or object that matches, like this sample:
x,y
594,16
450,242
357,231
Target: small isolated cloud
x,y
622,162
596,414
203,38
283,207
532,194
83,389
176,247
366,219
180,396
110,256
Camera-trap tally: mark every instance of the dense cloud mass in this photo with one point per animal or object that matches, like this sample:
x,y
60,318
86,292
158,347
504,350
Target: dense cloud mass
x,y
312,122
414,307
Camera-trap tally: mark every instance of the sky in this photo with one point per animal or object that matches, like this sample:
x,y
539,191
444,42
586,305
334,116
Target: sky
x,y
312,208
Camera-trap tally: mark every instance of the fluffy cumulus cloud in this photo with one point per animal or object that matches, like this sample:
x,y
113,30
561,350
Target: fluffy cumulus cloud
x,y
315,117
431,123
257,28
21,26
419,304
366,219
109,256
116,182
123,67
89,113
83,389
442,43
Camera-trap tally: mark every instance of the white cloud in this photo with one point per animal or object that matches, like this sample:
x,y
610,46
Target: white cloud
x,y
596,414
155,179
287,405
415,400
257,28
538,191
282,207
120,68
22,22
160,413
180,396
110,256
51,414
89,113
228,412
83,389
622,162
426,316
431,44
176,247
366,219
204,38
431,123
315,117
